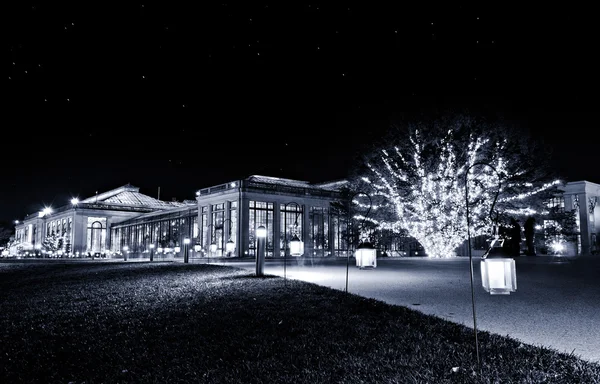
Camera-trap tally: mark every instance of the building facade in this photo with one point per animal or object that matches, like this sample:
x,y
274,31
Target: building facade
x,y
231,213
584,198
223,219
82,228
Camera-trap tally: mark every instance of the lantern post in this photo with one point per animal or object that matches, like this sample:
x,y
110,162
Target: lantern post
x,y
261,235
364,249
296,245
152,252
186,250
469,245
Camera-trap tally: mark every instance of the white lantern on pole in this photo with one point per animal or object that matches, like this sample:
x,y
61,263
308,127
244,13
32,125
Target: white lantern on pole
x,y
213,247
296,246
498,272
499,276
366,255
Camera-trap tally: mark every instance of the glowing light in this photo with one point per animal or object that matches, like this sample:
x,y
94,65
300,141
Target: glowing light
x,y
557,246
499,276
74,201
261,232
366,255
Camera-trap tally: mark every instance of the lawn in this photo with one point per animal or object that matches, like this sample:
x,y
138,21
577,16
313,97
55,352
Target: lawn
x,y
99,322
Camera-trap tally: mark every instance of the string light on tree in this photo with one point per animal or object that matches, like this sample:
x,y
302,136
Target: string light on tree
x,y
422,184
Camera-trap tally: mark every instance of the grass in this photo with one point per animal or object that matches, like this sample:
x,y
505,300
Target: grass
x,y
180,323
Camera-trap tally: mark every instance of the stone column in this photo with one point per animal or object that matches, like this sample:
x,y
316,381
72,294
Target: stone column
x,y
244,225
277,229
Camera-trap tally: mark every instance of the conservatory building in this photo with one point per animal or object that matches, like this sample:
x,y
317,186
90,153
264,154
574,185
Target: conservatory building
x,y
224,219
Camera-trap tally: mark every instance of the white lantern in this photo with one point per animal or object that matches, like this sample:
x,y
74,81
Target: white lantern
x,y
213,247
261,231
366,255
499,276
296,246
186,241
229,246
177,249
197,247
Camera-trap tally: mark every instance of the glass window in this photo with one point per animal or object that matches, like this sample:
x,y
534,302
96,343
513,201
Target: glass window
x,y
96,235
319,231
290,219
233,224
558,203
218,217
260,213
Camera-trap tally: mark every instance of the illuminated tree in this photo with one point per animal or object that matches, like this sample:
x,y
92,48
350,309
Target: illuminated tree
x,y
418,179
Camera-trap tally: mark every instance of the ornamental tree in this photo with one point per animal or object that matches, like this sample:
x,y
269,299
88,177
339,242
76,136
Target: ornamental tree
x,y
417,179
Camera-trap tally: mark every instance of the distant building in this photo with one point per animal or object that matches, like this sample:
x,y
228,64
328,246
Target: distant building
x,y
584,198
82,227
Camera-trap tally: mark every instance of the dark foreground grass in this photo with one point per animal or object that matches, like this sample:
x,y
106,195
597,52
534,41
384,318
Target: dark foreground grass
x,y
178,323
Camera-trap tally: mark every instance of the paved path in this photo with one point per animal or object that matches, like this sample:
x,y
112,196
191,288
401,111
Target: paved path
x,y
556,305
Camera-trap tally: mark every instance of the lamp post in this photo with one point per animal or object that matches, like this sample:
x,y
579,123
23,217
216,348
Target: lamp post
x,y
469,245
364,248
186,244
230,244
125,253
296,245
151,252
261,235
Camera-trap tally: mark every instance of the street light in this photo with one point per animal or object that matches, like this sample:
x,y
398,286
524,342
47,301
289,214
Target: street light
x,y
151,252
186,243
261,235
296,245
364,249
125,252
494,269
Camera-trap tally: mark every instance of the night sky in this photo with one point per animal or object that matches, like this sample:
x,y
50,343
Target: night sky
x,y
181,96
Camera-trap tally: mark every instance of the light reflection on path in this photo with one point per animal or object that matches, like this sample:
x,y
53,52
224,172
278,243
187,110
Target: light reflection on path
x,y
557,304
